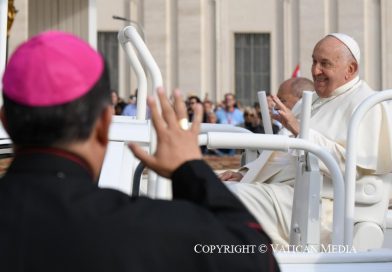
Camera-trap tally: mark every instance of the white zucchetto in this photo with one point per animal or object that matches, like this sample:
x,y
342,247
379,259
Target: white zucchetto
x,y
350,43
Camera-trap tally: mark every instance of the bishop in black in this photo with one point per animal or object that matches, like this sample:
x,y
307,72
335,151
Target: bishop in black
x,y
53,215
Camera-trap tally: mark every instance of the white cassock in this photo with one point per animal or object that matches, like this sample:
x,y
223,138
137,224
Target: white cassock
x,y
267,188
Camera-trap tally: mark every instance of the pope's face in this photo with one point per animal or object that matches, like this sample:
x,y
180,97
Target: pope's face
x,y
330,66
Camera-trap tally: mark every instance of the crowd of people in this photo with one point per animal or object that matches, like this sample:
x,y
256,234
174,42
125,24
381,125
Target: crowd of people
x,y
228,110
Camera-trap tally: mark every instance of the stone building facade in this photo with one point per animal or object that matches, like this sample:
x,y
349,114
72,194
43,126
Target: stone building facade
x,y
210,47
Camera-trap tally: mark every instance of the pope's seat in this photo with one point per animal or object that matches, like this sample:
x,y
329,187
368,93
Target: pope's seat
x,y
372,195
371,207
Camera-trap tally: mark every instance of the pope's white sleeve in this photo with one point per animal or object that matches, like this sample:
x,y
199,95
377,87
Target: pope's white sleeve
x,y
336,150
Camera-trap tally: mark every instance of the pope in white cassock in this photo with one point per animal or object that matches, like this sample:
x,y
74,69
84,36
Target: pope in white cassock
x,y
268,191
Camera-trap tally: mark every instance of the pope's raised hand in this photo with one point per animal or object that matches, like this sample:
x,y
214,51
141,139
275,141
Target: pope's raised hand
x,y
285,116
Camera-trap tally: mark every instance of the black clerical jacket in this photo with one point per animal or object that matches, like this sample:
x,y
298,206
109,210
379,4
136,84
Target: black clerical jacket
x,y
54,217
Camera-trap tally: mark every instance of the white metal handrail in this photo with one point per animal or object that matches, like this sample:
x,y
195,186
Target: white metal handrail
x,y
305,217
207,127
129,33
284,143
305,114
351,160
140,75
265,116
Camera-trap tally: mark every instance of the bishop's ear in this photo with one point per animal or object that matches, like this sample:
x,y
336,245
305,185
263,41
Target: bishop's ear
x,y
3,119
103,125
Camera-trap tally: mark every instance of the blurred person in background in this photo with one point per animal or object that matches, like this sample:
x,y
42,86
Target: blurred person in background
x,y
193,101
209,109
230,114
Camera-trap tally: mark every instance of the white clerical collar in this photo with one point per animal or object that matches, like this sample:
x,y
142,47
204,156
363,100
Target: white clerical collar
x,y
345,87
319,101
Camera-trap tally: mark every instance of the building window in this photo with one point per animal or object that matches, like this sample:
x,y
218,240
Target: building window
x,y
252,66
108,46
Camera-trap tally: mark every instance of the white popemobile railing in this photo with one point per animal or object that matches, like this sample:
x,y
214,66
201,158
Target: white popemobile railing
x,y
140,75
305,114
262,96
129,36
305,219
285,143
350,174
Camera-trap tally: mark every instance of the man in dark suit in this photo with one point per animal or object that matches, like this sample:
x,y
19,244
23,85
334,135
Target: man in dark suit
x,y
54,217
